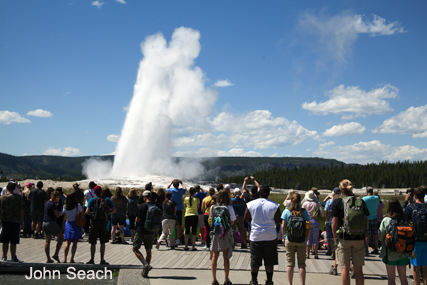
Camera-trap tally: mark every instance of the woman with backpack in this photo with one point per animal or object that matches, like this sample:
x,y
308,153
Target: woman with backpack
x,y
221,242
295,219
168,221
118,219
132,210
191,204
389,255
314,210
72,233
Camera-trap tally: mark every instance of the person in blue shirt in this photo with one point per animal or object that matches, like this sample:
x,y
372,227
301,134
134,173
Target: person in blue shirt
x,y
293,248
328,222
201,194
372,202
177,194
239,206
99,225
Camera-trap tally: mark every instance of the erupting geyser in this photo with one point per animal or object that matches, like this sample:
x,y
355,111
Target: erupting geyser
x,y
169,99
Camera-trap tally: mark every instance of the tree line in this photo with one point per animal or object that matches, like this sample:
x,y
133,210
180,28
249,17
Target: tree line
x,y
383,175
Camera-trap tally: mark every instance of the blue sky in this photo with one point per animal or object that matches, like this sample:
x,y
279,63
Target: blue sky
x,y
336,79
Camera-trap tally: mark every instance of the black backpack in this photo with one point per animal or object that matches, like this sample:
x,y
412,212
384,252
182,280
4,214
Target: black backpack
x,y
153,218
296,229
419,221
100,209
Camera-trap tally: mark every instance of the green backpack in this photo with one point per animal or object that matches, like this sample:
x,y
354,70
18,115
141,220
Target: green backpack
x,y
354,222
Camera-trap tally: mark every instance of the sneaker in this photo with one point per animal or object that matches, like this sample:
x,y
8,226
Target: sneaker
x,y
253,282
103,262
3,258
228,282
144,263
56,258
244,246
375,251
145,271
15,259
178,242
269,283
352,273
157,246
90,262
131,240
206,247
333,271
37,236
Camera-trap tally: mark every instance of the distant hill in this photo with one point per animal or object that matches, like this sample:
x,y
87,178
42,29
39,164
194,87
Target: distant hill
x,y
70,168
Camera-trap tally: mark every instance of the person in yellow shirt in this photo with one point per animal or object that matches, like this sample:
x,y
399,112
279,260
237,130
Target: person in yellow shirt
x,y
191,204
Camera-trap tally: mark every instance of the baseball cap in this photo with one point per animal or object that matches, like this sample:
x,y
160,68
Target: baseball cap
x,y
227,186
29,184
97,189
369,189
237,192
146,193
265,190
337,190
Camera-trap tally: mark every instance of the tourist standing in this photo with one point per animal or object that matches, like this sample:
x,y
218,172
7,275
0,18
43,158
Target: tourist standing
x,y
89,194
372,203
99,208
263,216
314,210
239,206
191,204
51,227
294,232
72,233
118,219
38,198
201,194
26,231
351,245
177,194
11,220
328,223
132,211
206,207
222,218
168,221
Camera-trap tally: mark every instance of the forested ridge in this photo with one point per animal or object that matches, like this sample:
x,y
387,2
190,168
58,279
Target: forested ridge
x,y
383,175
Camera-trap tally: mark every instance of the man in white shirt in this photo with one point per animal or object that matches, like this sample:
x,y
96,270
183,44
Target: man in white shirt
x,y
89,194
264,218
16,191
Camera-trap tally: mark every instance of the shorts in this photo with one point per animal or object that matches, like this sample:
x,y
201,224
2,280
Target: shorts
x,y
10,232
266,250
201,223
373,227
329,233
353,250
118,219
295,247
191,222
51,228
421,252
37,216
140,238
132,222
98,229
400,262
179,218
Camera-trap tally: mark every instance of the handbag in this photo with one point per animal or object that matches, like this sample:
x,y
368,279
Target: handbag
x,y
79,221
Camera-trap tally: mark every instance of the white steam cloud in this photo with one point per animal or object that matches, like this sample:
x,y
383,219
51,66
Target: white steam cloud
x,y
169,94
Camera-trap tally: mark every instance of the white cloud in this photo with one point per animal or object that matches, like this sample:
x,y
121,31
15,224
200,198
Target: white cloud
x,y
113,138
40,113
274,155
353,102
207,152
349,129
372,151
257,129
223,83
7,117
97,3
68,151
411,121
121,1
338,33
326,144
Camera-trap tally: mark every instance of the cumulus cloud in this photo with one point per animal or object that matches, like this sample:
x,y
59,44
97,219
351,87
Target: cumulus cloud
x,y
372,151
113,138
349,129
121,1
7,118
222,83
327,144
257,129
207,152
68,151
411,121
353,102
40,113
97,4
338,33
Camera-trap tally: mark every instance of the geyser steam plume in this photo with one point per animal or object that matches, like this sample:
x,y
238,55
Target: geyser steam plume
x,y
169,99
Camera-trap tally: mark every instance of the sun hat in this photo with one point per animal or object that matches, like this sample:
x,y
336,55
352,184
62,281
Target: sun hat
x,y
237,192
310,196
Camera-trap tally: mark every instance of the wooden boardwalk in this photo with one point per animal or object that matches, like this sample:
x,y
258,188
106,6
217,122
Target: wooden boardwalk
x,y
31,251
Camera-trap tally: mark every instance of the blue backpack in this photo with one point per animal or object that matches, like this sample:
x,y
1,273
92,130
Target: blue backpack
x,y
419,221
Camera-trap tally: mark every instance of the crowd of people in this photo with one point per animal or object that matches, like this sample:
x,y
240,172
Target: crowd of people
x,y
224,217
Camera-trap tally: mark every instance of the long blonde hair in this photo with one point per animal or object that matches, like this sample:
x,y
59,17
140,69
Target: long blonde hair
x,y
295,207
346,187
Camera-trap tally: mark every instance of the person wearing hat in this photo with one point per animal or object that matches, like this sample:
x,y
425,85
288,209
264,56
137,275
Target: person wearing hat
x,y
264,217
99,224
372,202
239,206
336,193
38,199
79,193
312,204
143,236
89,194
